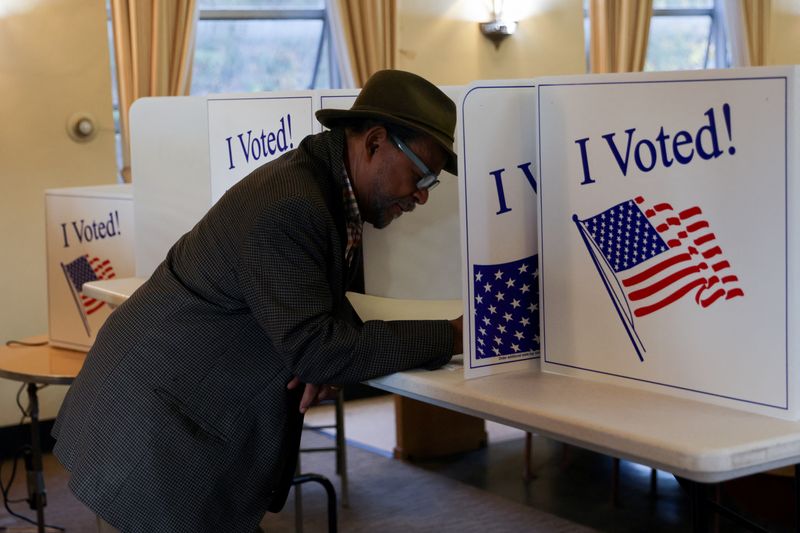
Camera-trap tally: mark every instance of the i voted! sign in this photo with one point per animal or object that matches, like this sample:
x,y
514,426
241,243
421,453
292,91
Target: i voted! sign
x,y
247,131
665,232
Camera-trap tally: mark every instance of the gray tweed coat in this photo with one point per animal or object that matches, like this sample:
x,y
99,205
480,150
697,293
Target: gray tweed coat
x,y
180,419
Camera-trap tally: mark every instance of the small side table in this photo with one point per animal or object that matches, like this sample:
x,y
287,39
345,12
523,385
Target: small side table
x,y
35,365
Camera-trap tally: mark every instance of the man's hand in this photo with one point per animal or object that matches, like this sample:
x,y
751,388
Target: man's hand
x,y
313,394
458,337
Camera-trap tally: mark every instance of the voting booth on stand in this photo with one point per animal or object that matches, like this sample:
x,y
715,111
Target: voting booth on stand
x,y
89,233
667,226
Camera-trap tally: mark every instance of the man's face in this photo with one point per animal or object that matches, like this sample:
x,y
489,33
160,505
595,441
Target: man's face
x,y
391,188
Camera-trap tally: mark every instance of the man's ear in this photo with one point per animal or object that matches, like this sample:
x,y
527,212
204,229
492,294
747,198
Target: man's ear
x,y
374,138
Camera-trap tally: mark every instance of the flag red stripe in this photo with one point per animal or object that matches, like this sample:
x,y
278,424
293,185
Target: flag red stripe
x,y
655,269
719,266
662,283
643,311
728,279
713,298
697,225
662,207
710,282
712,252
704,239
733,293
95,308
688,213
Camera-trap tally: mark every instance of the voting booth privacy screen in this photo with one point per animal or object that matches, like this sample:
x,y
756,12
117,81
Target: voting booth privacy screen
x,y
498,226
89,235
666,227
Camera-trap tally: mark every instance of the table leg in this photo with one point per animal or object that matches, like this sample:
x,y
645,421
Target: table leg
x,y
36,491
797,497
699,506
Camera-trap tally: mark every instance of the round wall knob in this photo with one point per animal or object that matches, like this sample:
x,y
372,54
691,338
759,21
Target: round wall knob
x,y
80,127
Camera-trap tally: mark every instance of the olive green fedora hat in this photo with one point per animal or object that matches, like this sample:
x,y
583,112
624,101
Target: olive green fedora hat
x,y
406,99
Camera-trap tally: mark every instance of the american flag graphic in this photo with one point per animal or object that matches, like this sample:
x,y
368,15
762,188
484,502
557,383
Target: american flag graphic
x,y
83,270
506,308
650,256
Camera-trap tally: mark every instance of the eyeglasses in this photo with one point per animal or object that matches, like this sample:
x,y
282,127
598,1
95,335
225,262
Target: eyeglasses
x,y
429,180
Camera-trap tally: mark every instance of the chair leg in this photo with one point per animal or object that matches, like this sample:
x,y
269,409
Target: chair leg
x,y
329,491
615,482
653,481
341,449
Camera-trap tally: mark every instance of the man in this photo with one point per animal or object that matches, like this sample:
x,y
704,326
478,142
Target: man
x,y
188,411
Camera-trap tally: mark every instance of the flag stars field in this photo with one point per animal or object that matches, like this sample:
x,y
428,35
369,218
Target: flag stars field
x,y
515,306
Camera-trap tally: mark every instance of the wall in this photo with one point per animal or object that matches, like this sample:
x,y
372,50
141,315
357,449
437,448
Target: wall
x,y
440,40
785,33
53,63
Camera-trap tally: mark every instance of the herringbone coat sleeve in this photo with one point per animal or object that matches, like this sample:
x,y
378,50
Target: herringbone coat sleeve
x,y
285,277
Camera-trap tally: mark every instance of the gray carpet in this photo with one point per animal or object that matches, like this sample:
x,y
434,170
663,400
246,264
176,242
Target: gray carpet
x,y
385,496
389,496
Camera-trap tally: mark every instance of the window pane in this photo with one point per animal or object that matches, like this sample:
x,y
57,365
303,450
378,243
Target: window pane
x,y
255,55
677,43
682,4
261,4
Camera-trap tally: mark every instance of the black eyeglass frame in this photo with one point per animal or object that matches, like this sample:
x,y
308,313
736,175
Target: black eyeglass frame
x,y
429,180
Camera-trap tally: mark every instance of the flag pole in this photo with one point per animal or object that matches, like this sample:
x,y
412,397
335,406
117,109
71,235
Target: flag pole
x,y
77,301
611,294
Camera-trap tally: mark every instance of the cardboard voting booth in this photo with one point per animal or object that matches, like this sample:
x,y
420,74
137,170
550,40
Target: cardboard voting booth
x,y
187,151
498,226
89,235
667,233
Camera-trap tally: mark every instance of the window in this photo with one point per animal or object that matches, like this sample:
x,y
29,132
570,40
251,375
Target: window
x,y
262,45
253,45
684,35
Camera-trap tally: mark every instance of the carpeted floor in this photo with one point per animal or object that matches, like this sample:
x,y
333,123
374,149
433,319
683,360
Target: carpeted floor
x,y
480,491
385,496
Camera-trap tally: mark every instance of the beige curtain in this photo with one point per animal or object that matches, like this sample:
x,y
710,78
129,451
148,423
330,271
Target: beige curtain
x,y
756,21
754,32
153,48
367,33
619,30
747,22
